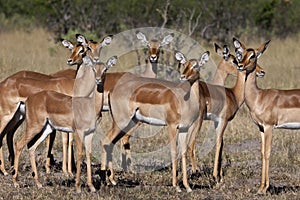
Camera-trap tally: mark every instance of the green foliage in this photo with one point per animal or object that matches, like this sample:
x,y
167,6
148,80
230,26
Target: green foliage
x,y
211,20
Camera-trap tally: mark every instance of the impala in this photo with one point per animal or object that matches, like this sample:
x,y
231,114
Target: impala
x,y
157,102
154,46
49,110
269,108
222,105
21,85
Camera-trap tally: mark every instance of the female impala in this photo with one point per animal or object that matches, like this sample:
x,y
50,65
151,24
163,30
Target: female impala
x,y
157,102
48,110
222,105
269,108
21,85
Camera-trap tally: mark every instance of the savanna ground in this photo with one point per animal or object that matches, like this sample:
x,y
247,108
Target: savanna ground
x,y
241,156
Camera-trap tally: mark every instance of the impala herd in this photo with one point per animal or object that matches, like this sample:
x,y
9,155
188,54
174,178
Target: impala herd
x,y
71,101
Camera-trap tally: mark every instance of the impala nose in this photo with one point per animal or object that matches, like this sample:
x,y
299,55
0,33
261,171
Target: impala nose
x,y
240,67
153,58
182,78
260,74
69,62
96,59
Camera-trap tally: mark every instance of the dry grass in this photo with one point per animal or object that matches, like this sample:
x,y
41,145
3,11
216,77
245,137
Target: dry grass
x,y
36,51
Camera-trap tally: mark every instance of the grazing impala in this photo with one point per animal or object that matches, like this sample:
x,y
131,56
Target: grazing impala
x,y
21,85
49,110
157,102
269,108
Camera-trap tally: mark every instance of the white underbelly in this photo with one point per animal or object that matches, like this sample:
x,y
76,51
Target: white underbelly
x,y
291,125
149,120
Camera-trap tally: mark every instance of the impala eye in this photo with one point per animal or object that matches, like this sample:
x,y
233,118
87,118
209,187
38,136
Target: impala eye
x,y
81,51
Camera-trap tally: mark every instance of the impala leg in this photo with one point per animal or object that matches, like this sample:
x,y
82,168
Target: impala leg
x,y
217,174
79,159
64,137
195,129
106,160
125,153
172,136
33,162
266,138
70,154
107,143
192,153
268,141
19,147
4,121
263,163
50,143
25,139
126,158
182,142
88,151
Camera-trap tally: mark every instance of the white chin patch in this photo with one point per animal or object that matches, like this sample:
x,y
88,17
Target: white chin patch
x,y
291,125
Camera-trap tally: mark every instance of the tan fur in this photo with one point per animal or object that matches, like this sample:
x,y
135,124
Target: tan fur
x,y
269,108
164,101
77,114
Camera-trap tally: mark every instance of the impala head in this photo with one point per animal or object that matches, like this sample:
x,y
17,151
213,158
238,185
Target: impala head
x,y
78,52
191,68
247,57
95,47
101,69
154,46
229,62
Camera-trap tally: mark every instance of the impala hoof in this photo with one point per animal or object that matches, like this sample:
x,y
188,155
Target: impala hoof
x,y
16,185
113,182
92,189
39,185
178,189
189,190
78,190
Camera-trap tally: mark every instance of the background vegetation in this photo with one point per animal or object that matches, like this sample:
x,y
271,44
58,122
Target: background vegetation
x,y
209,20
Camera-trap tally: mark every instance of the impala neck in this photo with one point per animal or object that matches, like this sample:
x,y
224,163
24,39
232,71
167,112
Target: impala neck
x,y
239,88
251,90
151,70
219,77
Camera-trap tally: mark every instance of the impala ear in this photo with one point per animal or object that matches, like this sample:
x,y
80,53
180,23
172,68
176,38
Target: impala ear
x,y
226,52
67,44
167,39
140,36
81,39
107,40
204,58
239,49
180,57
262,48
218,49
111,61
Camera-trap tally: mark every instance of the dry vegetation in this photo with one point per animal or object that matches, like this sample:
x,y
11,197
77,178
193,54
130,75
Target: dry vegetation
x,y
241,157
